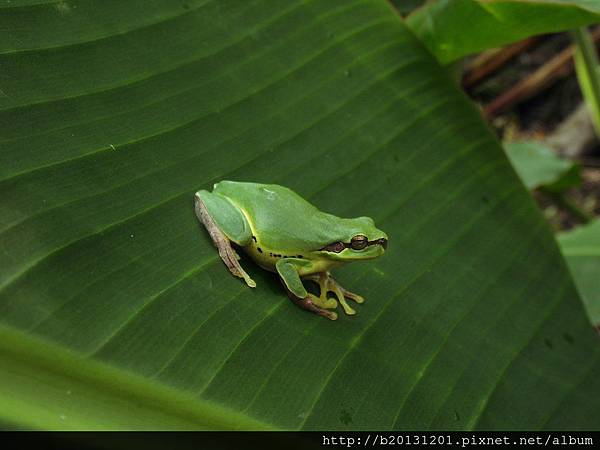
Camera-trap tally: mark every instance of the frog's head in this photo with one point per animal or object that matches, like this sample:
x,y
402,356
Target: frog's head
x,y
355,239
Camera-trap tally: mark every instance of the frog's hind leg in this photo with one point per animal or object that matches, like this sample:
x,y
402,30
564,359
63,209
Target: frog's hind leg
x,y
328,284
297,292
309,304
220,240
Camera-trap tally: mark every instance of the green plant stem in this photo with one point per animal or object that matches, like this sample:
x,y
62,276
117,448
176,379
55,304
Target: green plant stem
x,y
567,204
588,72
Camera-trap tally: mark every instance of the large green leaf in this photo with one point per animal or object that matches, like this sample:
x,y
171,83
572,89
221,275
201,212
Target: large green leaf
x,y
581,248
116,311
452,29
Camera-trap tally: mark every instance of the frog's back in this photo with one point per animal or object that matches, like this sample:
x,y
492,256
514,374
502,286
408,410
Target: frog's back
x,y
257,197
279,215
261,201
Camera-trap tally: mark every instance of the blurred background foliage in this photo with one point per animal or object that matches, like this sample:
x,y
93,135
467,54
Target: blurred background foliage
x,y
541,94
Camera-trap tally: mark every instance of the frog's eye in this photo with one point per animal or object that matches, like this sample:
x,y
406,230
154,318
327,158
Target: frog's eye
x,y
336,247
359,242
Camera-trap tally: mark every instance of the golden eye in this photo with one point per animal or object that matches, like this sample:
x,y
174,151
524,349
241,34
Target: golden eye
x,y
359,242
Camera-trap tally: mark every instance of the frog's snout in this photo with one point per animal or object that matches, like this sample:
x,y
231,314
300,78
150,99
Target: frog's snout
x,y
383,242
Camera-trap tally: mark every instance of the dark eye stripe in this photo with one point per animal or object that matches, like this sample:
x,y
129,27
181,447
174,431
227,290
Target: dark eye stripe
x,y
337,247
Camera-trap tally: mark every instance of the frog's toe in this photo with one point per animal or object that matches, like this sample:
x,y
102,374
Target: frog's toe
x,y
331,315
347,294
241,273
331,304
347,309
314,304
328,303
357,298
328,314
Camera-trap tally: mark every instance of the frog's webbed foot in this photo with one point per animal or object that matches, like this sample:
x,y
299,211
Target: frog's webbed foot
x,y
328,284
223,244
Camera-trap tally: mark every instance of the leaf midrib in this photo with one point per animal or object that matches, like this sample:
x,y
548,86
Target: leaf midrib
x,y
121,388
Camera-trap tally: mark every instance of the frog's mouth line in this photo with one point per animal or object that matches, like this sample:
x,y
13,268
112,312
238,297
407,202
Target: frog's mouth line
x,y
337,247
383,242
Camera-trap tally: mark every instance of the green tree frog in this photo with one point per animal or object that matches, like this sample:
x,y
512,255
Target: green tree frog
x,y
285,234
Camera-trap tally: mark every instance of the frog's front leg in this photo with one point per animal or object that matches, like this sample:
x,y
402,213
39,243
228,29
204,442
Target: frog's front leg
x,y
210,209
287,270
328,284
